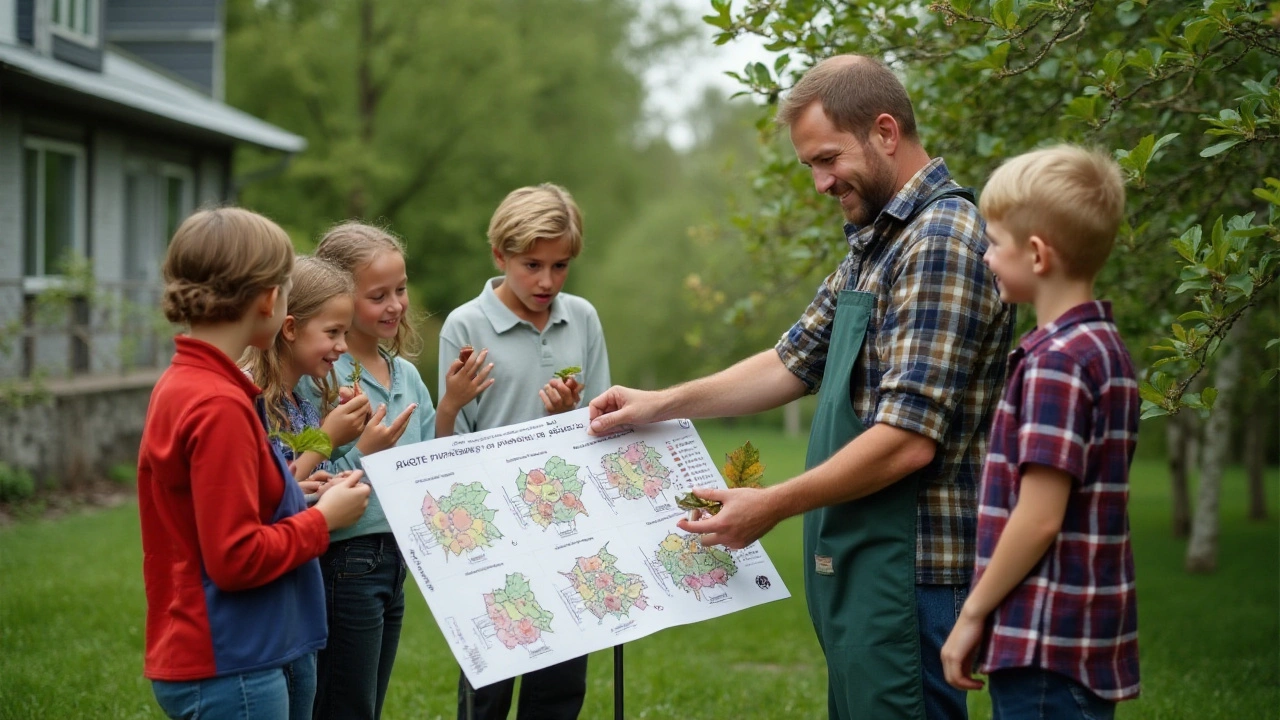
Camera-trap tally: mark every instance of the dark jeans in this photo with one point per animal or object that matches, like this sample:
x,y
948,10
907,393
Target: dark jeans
x,y
1036,694
552,693
364,598
282,693
937,607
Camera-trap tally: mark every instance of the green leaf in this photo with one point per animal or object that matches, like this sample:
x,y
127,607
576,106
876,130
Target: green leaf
x,y
1219,148
689,501
1208,396
565,373
1150,394
994,60
309,440
1150,410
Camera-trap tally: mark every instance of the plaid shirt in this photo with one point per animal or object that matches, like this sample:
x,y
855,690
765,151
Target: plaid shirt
x,y
1071,404
933,358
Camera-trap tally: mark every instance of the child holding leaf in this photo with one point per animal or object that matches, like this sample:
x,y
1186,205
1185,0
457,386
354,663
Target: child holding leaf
x,y
310,341
548,348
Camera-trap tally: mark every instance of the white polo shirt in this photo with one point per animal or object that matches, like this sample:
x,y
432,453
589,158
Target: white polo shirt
x,y
524,358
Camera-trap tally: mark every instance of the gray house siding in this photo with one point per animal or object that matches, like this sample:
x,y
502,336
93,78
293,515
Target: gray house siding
x,y
182,36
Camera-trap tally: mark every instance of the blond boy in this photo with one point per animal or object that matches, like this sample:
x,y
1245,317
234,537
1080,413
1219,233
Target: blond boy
x,y
530,330
1051,617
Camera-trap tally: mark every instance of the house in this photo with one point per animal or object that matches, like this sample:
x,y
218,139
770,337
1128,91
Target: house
x,y
112,130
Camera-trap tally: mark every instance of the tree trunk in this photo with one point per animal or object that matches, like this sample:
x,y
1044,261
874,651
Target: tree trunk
x,y
791,418
1178,432
1202,549
1253,454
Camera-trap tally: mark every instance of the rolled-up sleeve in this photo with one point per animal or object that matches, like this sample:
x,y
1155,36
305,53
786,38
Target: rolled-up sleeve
x,y
803,348
941,309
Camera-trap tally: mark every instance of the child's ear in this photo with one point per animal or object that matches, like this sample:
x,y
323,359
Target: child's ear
x,y
267,302
1042,257
290,328
499,259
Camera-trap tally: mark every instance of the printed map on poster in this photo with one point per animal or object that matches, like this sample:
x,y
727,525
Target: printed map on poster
x,y
536,543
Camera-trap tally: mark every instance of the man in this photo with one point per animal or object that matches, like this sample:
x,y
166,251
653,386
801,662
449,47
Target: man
x,y
905,344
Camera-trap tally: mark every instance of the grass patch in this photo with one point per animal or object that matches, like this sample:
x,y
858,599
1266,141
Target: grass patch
x,y
72,611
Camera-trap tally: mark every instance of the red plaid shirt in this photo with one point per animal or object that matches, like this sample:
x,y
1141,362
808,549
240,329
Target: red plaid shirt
x,y
1072,404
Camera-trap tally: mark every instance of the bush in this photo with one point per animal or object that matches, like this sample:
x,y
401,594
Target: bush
x,y
122,474
15,483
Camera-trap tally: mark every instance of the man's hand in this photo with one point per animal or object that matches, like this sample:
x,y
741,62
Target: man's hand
x,y
561,395
959,650
624,406
746,514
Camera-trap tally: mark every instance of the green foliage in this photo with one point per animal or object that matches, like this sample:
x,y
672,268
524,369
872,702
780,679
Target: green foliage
x,y
310,439
16,484
1184,94
123,473
567,372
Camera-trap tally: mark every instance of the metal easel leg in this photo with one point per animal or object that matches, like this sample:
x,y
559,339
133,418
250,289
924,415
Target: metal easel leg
x,y
617,682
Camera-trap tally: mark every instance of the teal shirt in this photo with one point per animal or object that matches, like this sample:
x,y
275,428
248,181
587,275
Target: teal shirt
x,y
406,389
524,358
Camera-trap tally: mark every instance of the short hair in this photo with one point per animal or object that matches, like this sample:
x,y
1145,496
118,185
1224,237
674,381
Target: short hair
x,y
352,245
1070,196
315,283
219,261
537,212
853,90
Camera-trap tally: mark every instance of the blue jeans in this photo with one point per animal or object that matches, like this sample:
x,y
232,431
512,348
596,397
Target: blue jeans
x,y
364,603
937,607
555,692
1037,694
283,693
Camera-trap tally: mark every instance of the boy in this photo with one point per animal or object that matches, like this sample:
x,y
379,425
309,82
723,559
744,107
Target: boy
x,y
1052,615
531,330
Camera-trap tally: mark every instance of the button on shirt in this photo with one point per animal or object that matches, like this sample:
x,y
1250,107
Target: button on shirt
x,y
933,358
524,358
1071,404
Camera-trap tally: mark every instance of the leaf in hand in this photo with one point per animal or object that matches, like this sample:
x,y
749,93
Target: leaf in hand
x,y
742,467
689,501
568,372
309,440
357,370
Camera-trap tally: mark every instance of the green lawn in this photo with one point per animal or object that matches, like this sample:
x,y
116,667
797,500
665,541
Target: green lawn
x,y
71,616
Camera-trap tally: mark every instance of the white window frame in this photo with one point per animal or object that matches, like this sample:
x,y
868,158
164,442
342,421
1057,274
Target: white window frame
x,y
43,280
65,29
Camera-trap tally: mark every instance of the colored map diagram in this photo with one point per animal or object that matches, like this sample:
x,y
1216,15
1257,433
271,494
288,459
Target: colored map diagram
x,y
636,471
694,567
459,521
553,493
603,588
518,619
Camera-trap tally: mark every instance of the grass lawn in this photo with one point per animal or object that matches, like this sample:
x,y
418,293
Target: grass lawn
x,y
71,616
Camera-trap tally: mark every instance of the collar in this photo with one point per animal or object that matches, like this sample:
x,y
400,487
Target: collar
x,y
916,190
198,353
1093,311
502,318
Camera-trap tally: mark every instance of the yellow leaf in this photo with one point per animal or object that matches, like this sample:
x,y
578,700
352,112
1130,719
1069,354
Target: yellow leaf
x,y
742,467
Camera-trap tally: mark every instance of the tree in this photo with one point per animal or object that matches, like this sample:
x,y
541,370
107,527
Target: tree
x,y
1185,95
424,115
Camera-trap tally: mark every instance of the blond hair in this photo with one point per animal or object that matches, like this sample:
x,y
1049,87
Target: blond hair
x,y
537,212
853,91
351,246
315,283
1071,197
219,261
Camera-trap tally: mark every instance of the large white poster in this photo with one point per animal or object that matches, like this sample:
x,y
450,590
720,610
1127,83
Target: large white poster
x,y
536,543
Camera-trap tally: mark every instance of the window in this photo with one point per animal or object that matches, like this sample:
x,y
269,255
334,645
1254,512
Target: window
x,y
76,20
54,218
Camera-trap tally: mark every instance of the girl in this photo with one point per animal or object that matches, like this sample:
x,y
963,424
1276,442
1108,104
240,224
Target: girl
x,y
310,341
363,572
234,603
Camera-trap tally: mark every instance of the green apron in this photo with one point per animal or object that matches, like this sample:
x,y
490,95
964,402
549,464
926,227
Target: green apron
x,y
859,557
